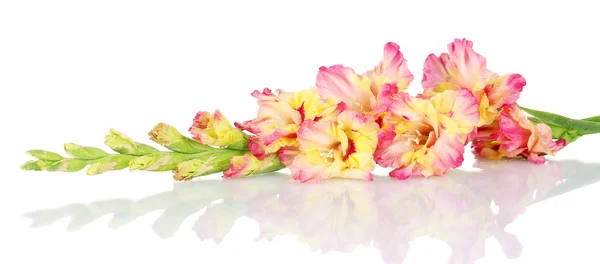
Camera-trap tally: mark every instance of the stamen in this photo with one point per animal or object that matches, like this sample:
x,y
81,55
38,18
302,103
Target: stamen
x,y
327,156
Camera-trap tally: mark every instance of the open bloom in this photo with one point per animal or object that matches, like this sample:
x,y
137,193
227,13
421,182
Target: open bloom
x,y
214,129
462,67
425,136
279,117
361,92
341,147
513,135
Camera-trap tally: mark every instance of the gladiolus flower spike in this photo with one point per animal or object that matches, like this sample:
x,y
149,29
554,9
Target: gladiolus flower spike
x,y
348,123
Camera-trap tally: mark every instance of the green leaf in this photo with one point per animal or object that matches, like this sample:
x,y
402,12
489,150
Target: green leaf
x,y
44,155
583,127
592,119
84,152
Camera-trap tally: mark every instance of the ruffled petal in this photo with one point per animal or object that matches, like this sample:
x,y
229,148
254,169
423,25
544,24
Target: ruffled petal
x,y
391,148
541,141
434,71
318,135
393,68
467,68
337,84
461,106
504,90
287,154
445,154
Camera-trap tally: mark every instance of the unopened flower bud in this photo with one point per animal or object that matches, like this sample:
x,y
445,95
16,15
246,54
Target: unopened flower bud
x,y
162,161
216,130
121,143
205,165
84,152
169,137
248,164
67,165
44,155
36,165
109,163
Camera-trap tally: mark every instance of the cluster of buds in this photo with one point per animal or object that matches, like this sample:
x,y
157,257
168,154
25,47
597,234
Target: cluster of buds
x,y
216,146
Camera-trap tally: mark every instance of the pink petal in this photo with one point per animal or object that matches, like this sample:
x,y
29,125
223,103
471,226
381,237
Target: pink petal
x,y
466,108
403,173
505,90
341,84
434,71
467,67
257,148
287,155
541,141
304,171
394,66
239,166
447,153
389,151
316,133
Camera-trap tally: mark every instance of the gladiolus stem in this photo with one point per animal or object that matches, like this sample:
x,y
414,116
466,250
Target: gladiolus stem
x,y
203,159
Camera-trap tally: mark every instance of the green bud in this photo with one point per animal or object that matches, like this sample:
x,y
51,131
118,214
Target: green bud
x,y
44,155
84,152
109,163
169,137
121,143
67,165
162,161
36,165
204,165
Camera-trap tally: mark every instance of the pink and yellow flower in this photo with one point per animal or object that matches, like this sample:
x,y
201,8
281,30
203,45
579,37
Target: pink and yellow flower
x,y
361,92
425,137
512,135
279,117
214,129
340,147
462,67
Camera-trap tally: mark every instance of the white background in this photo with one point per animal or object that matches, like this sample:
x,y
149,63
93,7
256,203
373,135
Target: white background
x,y
70,70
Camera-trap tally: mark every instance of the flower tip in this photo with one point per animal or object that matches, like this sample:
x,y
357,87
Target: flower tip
x,y
201,120
113,131
391,46
180,177
164,134
71,146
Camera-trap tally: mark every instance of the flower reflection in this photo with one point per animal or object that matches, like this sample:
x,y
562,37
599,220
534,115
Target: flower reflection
x,y
463,210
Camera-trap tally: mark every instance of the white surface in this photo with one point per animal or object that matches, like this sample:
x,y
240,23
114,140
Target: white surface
x,y
69,70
